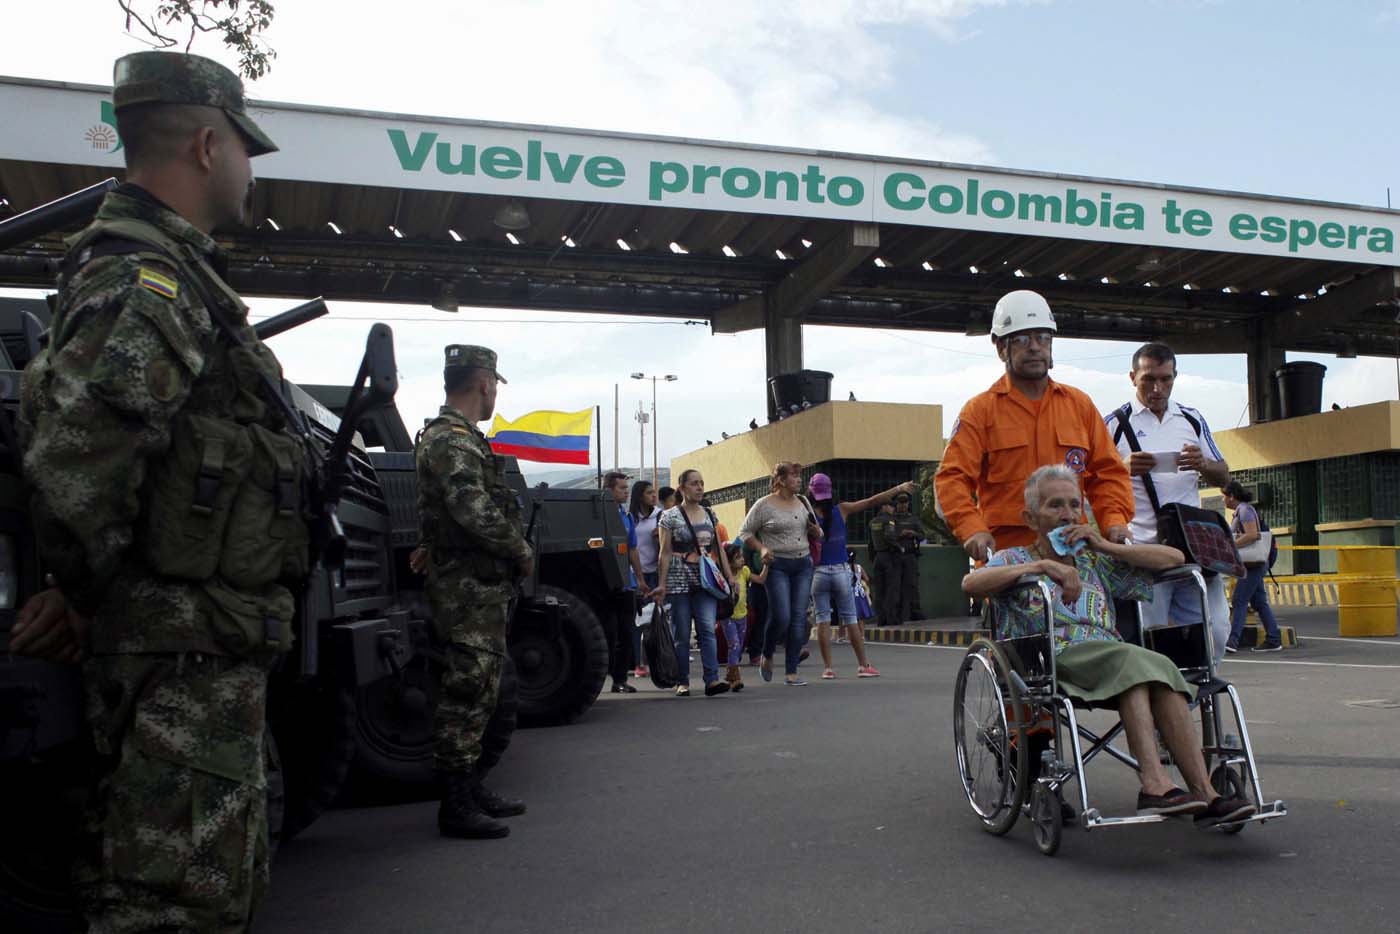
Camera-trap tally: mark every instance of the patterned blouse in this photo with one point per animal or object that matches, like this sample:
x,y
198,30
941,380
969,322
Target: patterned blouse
x,y
1091,618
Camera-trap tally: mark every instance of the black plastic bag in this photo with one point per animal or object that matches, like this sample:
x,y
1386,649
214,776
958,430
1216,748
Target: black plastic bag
x,y
659,645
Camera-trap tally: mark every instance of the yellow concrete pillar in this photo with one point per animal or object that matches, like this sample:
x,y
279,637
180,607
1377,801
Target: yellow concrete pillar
x,y
1366,603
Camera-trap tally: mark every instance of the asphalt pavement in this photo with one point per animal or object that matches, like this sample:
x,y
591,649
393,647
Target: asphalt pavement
x,y
837,807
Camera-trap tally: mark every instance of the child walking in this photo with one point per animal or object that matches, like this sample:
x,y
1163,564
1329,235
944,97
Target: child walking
x,y
736,626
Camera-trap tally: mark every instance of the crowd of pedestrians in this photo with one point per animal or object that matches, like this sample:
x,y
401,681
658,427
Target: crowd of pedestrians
x,y
791,567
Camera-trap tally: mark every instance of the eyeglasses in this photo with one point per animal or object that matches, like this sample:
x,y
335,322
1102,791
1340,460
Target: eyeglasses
x,y
1023,340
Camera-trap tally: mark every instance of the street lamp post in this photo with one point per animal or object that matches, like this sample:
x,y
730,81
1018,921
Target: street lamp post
x,y
655,423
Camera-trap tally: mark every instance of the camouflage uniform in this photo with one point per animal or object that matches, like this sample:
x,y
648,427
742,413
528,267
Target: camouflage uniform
x,y
156,462
908,562
886,560
470,521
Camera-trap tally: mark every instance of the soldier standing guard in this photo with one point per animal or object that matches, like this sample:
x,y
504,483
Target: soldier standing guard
x,y
886,558
475,552
908,532
167,506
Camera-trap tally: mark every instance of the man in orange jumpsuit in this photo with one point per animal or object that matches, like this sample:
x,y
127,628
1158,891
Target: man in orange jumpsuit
x,y
1026,420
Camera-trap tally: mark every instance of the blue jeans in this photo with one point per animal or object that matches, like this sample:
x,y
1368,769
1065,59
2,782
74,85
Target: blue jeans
x,y
700,607
831,592
1251,591
789,590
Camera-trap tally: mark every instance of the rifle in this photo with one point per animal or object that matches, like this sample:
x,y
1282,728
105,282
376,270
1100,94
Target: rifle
x,y
61,212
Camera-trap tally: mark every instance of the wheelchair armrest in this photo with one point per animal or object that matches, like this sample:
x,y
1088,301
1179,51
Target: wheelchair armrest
x,y
1182,572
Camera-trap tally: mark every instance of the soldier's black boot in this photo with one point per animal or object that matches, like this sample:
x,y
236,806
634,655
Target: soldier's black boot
x,y
494,804
459,815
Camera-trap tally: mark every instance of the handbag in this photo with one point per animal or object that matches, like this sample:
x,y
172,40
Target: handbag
x,y
1257,551
814,543
1200,534
712,579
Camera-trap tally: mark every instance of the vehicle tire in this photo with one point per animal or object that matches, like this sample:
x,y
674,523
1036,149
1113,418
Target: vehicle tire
x,y
559,675
989,736
314,730
39,813
1046,807
394,728
501,727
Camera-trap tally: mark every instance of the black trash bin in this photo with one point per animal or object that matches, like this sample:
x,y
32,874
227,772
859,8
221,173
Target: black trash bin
x,y
803,389
1299,388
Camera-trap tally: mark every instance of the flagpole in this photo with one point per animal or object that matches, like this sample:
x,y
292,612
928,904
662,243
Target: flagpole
x,y
598,423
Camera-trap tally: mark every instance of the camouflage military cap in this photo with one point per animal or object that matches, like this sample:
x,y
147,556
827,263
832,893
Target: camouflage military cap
x,y
455,355
177,78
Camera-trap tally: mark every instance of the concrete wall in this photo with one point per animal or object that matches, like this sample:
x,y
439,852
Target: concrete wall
x,y
1360,429
831,431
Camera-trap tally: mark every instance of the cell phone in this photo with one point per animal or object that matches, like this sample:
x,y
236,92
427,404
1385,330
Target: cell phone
x,y
1167,461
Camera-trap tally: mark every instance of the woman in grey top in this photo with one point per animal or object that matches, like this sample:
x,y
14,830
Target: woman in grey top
x,y
782,526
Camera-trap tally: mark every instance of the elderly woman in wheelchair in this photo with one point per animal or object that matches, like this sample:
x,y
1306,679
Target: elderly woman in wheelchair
x,y
1013,687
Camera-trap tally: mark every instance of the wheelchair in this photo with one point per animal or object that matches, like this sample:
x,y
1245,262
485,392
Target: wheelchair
x,y
1006,700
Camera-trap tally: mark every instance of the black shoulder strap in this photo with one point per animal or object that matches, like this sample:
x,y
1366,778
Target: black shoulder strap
x,y
1125,430
1122,413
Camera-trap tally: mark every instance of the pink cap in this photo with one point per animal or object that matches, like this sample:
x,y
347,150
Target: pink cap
x,y
819,486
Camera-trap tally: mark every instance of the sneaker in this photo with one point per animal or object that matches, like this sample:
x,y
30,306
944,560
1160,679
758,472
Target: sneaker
x,y
1268,647
795,683
1175,801
642,671
716,687
828,675
682,690
1231,649
869,671
1224,810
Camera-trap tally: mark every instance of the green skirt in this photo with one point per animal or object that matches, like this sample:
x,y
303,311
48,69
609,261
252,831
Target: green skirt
x,y
1096,672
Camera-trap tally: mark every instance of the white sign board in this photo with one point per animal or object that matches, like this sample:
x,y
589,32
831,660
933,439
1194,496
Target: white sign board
x,y
65,124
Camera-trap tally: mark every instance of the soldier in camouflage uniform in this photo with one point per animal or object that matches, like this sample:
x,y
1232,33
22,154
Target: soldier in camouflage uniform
x,y
475,552
885,555
908,532
167,507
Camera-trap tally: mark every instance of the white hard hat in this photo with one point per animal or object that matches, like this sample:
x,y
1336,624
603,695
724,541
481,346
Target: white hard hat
x,y
1022,310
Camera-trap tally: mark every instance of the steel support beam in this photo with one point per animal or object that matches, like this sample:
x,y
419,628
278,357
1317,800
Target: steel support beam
x,y
1264,356
1337,306
796,292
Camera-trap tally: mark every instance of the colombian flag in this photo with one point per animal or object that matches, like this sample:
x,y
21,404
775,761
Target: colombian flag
x,y
547,437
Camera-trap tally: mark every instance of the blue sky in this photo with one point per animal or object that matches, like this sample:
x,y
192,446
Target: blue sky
x,y
1287,98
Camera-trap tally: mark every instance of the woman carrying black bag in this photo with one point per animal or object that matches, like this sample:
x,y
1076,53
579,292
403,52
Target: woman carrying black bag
x,y
688,532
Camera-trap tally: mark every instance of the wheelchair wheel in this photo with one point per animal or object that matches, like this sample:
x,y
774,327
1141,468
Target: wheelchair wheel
x,y
1045,818
989,734
1226,780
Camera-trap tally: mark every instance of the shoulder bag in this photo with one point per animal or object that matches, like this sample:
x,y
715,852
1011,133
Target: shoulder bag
x,y
712,579
1200,534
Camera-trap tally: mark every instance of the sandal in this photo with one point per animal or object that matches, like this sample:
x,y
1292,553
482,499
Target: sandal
x,y
682,690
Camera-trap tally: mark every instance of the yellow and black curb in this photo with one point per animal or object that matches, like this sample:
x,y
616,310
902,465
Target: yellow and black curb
x,y
915,635
1253,634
